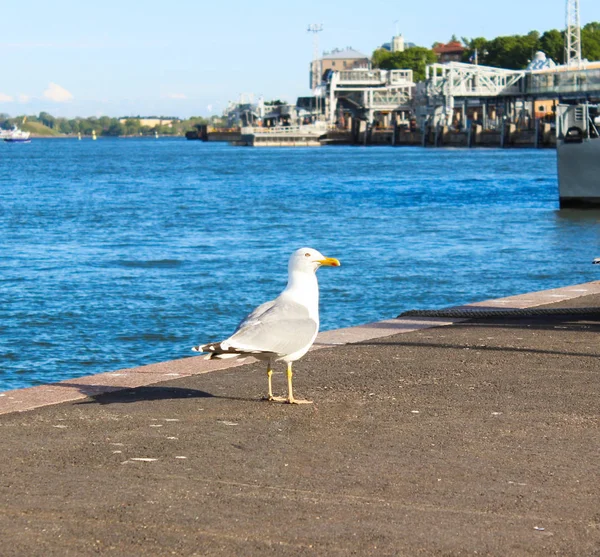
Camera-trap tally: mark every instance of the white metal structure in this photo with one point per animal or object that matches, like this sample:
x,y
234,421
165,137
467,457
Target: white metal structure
x,y
445,82
456,79
573,34
371,91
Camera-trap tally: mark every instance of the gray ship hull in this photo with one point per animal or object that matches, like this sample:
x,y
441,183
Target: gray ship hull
x,y
579,173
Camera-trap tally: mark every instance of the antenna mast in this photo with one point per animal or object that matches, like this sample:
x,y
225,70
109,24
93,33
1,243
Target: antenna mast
x,y
315,29
573,34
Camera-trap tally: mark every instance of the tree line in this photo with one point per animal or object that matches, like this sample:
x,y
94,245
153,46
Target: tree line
x,y
104,125
511,52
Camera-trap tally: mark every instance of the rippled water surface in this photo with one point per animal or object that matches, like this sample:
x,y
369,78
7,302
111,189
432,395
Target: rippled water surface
x,y
124,252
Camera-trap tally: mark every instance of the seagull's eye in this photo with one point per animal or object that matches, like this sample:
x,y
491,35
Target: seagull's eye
x,y
307,255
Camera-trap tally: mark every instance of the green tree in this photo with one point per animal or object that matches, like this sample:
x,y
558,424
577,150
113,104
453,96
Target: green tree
x,y
414,58
47,119
132,126
63,126
75,125
104,122
86,125
514,51
590,41
552,43
115,128
379,57
479,45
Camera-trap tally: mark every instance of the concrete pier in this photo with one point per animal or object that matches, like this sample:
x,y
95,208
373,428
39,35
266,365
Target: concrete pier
x,y
426,437
541,137
476,136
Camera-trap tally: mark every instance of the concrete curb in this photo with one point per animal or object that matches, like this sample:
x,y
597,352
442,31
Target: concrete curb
x,y
22,400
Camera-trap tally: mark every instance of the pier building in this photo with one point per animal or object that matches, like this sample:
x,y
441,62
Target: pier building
x,y
461,104
450,88
334,61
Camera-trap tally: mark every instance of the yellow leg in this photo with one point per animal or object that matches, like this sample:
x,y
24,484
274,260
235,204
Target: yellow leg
x,y
291,399
289,378
270,396
269,375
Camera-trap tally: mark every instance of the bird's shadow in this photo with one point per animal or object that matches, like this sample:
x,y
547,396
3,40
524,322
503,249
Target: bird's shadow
x,y
100,394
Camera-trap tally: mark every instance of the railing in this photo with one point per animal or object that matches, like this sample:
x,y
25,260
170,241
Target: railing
x,y
375,77
390,98
475,81
362,76
470,89
309,129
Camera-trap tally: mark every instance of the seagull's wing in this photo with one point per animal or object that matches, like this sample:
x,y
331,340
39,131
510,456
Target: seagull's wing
x,y
279,327
255,315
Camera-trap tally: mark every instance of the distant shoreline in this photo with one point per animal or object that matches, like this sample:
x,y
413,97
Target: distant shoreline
x,y
33,136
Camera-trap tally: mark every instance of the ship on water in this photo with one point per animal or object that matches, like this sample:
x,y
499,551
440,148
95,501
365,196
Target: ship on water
x,y
578,155
15,135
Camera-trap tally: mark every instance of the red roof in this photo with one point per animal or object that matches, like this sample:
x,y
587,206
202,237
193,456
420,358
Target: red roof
x,y
452,46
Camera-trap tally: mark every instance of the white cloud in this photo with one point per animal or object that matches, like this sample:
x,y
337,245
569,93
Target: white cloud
x,y
5,98
177,96
57,94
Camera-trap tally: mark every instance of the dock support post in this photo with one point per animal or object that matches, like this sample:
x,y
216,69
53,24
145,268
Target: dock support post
x,y
536,140
484,115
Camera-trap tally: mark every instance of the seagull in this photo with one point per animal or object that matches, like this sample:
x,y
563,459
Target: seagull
x,y
596,261
283,329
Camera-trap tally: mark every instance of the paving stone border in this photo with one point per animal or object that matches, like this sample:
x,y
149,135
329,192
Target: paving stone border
x,y
21,400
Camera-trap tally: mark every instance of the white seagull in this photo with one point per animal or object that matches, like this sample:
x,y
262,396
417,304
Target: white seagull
x,y
284,328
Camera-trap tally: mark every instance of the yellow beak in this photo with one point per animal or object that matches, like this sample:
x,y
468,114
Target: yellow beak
x,y
329,262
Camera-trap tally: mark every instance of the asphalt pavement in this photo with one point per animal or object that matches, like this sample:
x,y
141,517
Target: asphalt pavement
x,y
476,438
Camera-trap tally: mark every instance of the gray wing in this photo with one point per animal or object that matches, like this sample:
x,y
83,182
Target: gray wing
x,y
254,315
277,326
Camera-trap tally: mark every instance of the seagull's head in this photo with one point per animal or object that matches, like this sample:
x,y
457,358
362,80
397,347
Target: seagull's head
x,y
309,260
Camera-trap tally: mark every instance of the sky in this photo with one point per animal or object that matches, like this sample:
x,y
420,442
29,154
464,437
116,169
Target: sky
x,y
190,57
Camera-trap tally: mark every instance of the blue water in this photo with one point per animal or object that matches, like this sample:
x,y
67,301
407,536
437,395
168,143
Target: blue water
x,y
122,252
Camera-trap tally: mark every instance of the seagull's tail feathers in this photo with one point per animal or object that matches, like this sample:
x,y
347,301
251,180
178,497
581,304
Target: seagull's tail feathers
x,y
223,351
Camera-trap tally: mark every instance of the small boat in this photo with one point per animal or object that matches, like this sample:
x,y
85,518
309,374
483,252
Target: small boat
x,y
578,155
94,135
15,135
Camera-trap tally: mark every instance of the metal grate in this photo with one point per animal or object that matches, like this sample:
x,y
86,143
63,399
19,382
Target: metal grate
x,y
472,313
